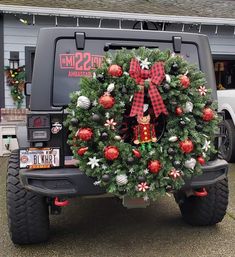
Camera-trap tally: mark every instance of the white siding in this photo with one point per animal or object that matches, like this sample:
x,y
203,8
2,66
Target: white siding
x,y
17,36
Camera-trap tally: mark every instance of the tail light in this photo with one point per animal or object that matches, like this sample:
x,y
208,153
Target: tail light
x,y
38,127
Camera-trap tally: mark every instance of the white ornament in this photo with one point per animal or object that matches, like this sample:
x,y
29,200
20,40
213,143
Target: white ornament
x,y
122,104
190,164
117,138
94,103
110,87
146,171
145,64
207,145
83,102
97,183
109,60
126,73
173,139
131,170
188,107
107,115
93,162
146,198
168,78
121,179
104,167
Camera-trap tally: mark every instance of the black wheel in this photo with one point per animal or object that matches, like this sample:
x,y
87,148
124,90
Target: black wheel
x,y
28,217
228,143
208,210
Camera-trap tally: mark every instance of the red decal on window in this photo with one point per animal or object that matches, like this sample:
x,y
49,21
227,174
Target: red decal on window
x,y
80,64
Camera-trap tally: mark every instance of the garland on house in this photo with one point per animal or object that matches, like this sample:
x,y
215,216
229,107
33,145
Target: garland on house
x,y
143,124
16,80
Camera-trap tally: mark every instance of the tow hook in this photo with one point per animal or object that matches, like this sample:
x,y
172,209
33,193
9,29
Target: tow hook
x,y
201,192
59,203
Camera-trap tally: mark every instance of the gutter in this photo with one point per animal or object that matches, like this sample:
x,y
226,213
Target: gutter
x,y
76,13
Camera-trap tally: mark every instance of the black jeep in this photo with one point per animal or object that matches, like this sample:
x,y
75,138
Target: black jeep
x,y
42,174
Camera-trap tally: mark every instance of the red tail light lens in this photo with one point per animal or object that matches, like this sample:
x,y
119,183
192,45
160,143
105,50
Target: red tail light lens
x,y
37,123
38,127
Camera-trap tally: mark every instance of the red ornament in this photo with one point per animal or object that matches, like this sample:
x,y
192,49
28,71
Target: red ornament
x,y
111,152
107,101
136,153
84,134
82,150
208,114
179,111
184,80
115,70
186,146
201,160
154,166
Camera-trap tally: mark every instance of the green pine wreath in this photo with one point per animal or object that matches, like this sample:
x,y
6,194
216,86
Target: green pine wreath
x,y
101,129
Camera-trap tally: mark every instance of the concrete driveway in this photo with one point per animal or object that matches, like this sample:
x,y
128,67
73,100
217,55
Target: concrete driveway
x,y
102,227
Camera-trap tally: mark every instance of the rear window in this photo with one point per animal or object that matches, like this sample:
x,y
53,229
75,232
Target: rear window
x,y
72,64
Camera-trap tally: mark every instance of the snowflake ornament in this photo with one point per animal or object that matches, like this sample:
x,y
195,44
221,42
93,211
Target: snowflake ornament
x,y
145,63
207,145
110,124
146,198
202,90
109,60
122,104
175,173
93,162
152,152
143,187
104,167
146,171
96,183
94,103
107,115
131,170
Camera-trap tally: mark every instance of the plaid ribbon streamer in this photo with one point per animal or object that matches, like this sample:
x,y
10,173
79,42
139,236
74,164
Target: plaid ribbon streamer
x,y
156,75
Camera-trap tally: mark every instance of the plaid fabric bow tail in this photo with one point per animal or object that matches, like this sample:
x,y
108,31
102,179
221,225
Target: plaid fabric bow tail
x,y
156,75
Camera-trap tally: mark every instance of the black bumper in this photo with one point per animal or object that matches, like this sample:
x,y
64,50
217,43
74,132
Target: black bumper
x,y
71,181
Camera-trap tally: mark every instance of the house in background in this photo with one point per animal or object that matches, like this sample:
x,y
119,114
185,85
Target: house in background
x,y
20,22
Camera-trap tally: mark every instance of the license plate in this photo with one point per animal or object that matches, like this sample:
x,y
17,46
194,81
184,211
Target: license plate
x,y
43,158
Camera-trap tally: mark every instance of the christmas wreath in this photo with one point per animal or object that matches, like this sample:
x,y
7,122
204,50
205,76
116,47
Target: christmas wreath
x,y
143,123
16,80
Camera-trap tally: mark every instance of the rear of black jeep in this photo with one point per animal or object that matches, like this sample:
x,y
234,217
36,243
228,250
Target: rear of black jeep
x,y
42,175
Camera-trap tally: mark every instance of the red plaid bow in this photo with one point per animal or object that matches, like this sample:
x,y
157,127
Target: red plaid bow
x,y
156,75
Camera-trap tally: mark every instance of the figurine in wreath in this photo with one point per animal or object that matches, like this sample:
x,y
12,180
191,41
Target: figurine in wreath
x,y
144,132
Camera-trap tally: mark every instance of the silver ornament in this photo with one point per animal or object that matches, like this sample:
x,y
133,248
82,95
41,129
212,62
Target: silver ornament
x,y
121,179
188,107
83,102
173,139
190,164
168,78
110,87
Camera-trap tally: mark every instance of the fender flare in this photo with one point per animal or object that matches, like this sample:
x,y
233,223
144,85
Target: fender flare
x,y
229,109
22,136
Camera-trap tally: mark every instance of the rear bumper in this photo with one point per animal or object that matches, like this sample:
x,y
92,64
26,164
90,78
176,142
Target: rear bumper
x,y
71,181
